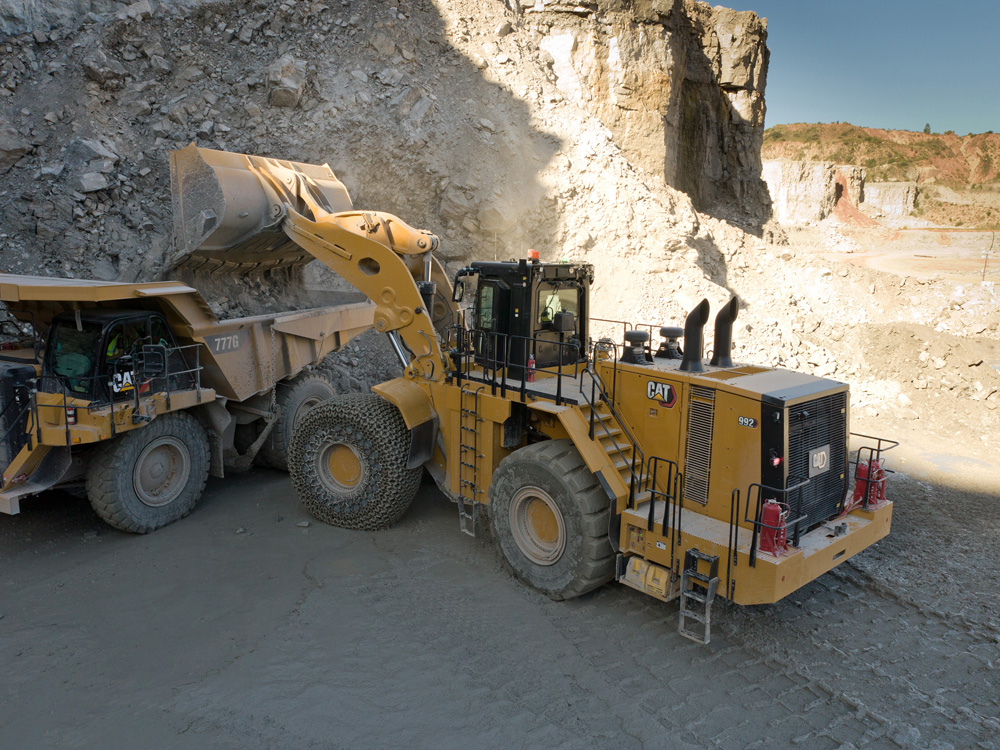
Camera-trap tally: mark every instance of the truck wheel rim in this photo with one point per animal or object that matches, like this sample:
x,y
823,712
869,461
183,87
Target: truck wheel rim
x,y
305,407
161,472
537,526
341,468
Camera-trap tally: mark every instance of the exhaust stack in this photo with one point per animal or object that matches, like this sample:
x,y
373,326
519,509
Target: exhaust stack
x,y
694,338
724,334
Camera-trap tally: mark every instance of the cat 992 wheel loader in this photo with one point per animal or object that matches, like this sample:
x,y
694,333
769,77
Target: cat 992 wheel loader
x,y
614,460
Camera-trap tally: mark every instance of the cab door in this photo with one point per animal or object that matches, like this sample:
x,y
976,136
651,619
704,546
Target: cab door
x,y
490,331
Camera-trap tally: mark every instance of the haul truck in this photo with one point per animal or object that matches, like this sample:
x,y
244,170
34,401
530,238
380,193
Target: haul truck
x,y
135,393
682,477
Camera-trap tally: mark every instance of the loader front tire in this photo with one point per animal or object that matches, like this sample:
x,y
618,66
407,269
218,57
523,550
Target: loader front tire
x,y
295,399
348,462
550,516
151,476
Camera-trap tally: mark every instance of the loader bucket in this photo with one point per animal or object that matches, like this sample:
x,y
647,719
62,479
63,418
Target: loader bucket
x,y
228,212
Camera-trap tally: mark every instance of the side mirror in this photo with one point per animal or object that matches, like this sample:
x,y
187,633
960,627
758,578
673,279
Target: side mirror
x,y
151,362
459,292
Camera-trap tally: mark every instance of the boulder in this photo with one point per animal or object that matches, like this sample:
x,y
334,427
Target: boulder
x,y
107,71
286,80
12,147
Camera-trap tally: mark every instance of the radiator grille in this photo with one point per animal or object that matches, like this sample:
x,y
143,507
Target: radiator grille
x,y
813,425
698,455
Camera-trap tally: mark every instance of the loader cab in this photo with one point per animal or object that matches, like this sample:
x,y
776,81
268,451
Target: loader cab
x,y
524,308
107,355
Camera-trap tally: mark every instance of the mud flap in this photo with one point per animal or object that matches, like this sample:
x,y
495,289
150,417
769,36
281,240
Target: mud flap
x,y
423,438
51,469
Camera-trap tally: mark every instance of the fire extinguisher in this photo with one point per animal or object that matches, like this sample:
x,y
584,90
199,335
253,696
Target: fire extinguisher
x,y
531,368
773,540
869,479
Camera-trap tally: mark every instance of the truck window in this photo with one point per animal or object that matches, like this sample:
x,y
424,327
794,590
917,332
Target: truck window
x,y
73,354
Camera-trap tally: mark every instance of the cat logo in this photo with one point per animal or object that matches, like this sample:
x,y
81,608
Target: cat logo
x,y
819,461
123,381
664,393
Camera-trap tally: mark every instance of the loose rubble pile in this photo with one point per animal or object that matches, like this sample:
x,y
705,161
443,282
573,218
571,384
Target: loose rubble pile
x,y
496,125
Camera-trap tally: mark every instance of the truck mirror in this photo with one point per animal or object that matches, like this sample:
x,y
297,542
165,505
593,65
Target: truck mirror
x,y
459,294
152,361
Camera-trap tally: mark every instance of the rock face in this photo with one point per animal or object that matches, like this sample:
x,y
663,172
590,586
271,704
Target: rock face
x,y
805,191
893,199
24,16
452,114
678,83
800,191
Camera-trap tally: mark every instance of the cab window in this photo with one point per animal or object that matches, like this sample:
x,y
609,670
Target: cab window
x,y
484,307
552,300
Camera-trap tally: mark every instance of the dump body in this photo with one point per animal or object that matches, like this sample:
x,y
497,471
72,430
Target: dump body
x,y
120,354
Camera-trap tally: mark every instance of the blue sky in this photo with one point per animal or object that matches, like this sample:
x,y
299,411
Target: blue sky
x,y
883,63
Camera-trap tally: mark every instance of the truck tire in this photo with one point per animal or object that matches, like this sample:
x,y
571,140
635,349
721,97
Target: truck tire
x,y
348,462
550,516
151,476
295,398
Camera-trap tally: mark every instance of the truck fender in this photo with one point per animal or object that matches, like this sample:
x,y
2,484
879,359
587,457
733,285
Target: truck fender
x,y
220,427
414,403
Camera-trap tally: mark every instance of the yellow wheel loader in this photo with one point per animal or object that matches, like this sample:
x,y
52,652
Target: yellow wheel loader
x,y
136,392
615,459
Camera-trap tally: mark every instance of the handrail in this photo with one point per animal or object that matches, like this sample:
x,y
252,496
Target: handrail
x,y
16,421
732,558
874,454
635,479
107,398
496,348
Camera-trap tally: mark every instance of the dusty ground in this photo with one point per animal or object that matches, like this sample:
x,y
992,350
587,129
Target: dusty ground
x,y
238,627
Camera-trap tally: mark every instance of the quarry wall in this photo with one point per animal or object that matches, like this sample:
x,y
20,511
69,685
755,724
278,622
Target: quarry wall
x,y
679,84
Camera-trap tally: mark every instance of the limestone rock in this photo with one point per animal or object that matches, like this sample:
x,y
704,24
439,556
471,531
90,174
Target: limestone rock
x,y
680,86
894,199
90,182
286,78
12,147
800,191
139,11
107,71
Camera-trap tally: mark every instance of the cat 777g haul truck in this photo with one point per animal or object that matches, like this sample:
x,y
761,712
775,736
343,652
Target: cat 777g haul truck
x,y
618,460
136,392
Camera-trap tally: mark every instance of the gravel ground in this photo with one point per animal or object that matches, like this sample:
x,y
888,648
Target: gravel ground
x,y
243,627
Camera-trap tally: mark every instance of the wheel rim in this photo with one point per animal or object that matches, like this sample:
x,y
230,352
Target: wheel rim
x,y
304,407
161,472
537,526
340,467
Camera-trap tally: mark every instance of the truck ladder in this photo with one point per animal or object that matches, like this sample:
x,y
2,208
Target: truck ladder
x,y
699,588
468,459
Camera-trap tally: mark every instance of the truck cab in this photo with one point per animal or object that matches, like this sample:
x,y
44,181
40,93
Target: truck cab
x,y
101,355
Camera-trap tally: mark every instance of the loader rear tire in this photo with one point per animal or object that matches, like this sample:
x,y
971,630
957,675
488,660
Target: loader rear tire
x,y
151,476
295,398
550,516
348,462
